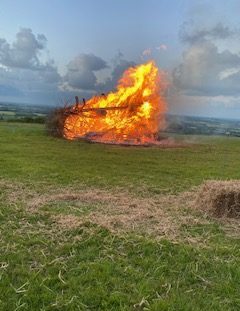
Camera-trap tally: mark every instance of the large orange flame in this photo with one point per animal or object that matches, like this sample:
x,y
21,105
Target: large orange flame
x,y
133,114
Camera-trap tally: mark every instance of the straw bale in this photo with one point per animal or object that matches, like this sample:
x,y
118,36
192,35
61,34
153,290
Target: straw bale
x,y
220,198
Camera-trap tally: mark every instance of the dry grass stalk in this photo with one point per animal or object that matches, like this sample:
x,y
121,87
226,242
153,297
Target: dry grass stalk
x,y
121,211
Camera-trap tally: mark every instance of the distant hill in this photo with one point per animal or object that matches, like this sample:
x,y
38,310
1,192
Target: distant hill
x,y
175,124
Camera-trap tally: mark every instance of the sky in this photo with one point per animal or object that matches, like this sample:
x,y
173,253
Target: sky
x,y
51,51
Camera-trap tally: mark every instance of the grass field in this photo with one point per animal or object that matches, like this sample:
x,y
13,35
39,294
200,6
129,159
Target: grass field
x,y
66,246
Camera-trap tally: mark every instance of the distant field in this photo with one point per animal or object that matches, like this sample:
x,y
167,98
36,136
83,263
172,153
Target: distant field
x,y
8,113
65,245
22,112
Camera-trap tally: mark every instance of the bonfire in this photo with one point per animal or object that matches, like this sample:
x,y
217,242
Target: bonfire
x,y
133,114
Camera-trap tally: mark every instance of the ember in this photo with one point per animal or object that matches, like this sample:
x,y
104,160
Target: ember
x,y
133,114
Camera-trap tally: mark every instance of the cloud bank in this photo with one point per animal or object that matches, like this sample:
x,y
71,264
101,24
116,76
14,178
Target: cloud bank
x,y
24,51
24,76
23,73
191,34
207,70
82,73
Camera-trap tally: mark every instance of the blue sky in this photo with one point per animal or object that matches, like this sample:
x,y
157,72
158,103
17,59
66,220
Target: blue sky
x,y
51,50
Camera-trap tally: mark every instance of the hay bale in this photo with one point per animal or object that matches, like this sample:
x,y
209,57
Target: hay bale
x,y
220,198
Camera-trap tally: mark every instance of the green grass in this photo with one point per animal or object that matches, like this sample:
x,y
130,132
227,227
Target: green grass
x,y
43,267
28,154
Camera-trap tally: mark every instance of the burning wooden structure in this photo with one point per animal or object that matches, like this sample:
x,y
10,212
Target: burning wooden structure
x,y
133,114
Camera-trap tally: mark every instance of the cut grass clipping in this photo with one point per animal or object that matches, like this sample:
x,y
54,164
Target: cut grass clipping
x,y
220,198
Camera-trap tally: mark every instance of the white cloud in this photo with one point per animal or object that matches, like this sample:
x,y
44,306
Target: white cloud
x,y
147,52
162,47
24,51
202,68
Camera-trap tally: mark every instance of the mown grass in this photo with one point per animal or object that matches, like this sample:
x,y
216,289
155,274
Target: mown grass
x,y
28,154
45,267
90,269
